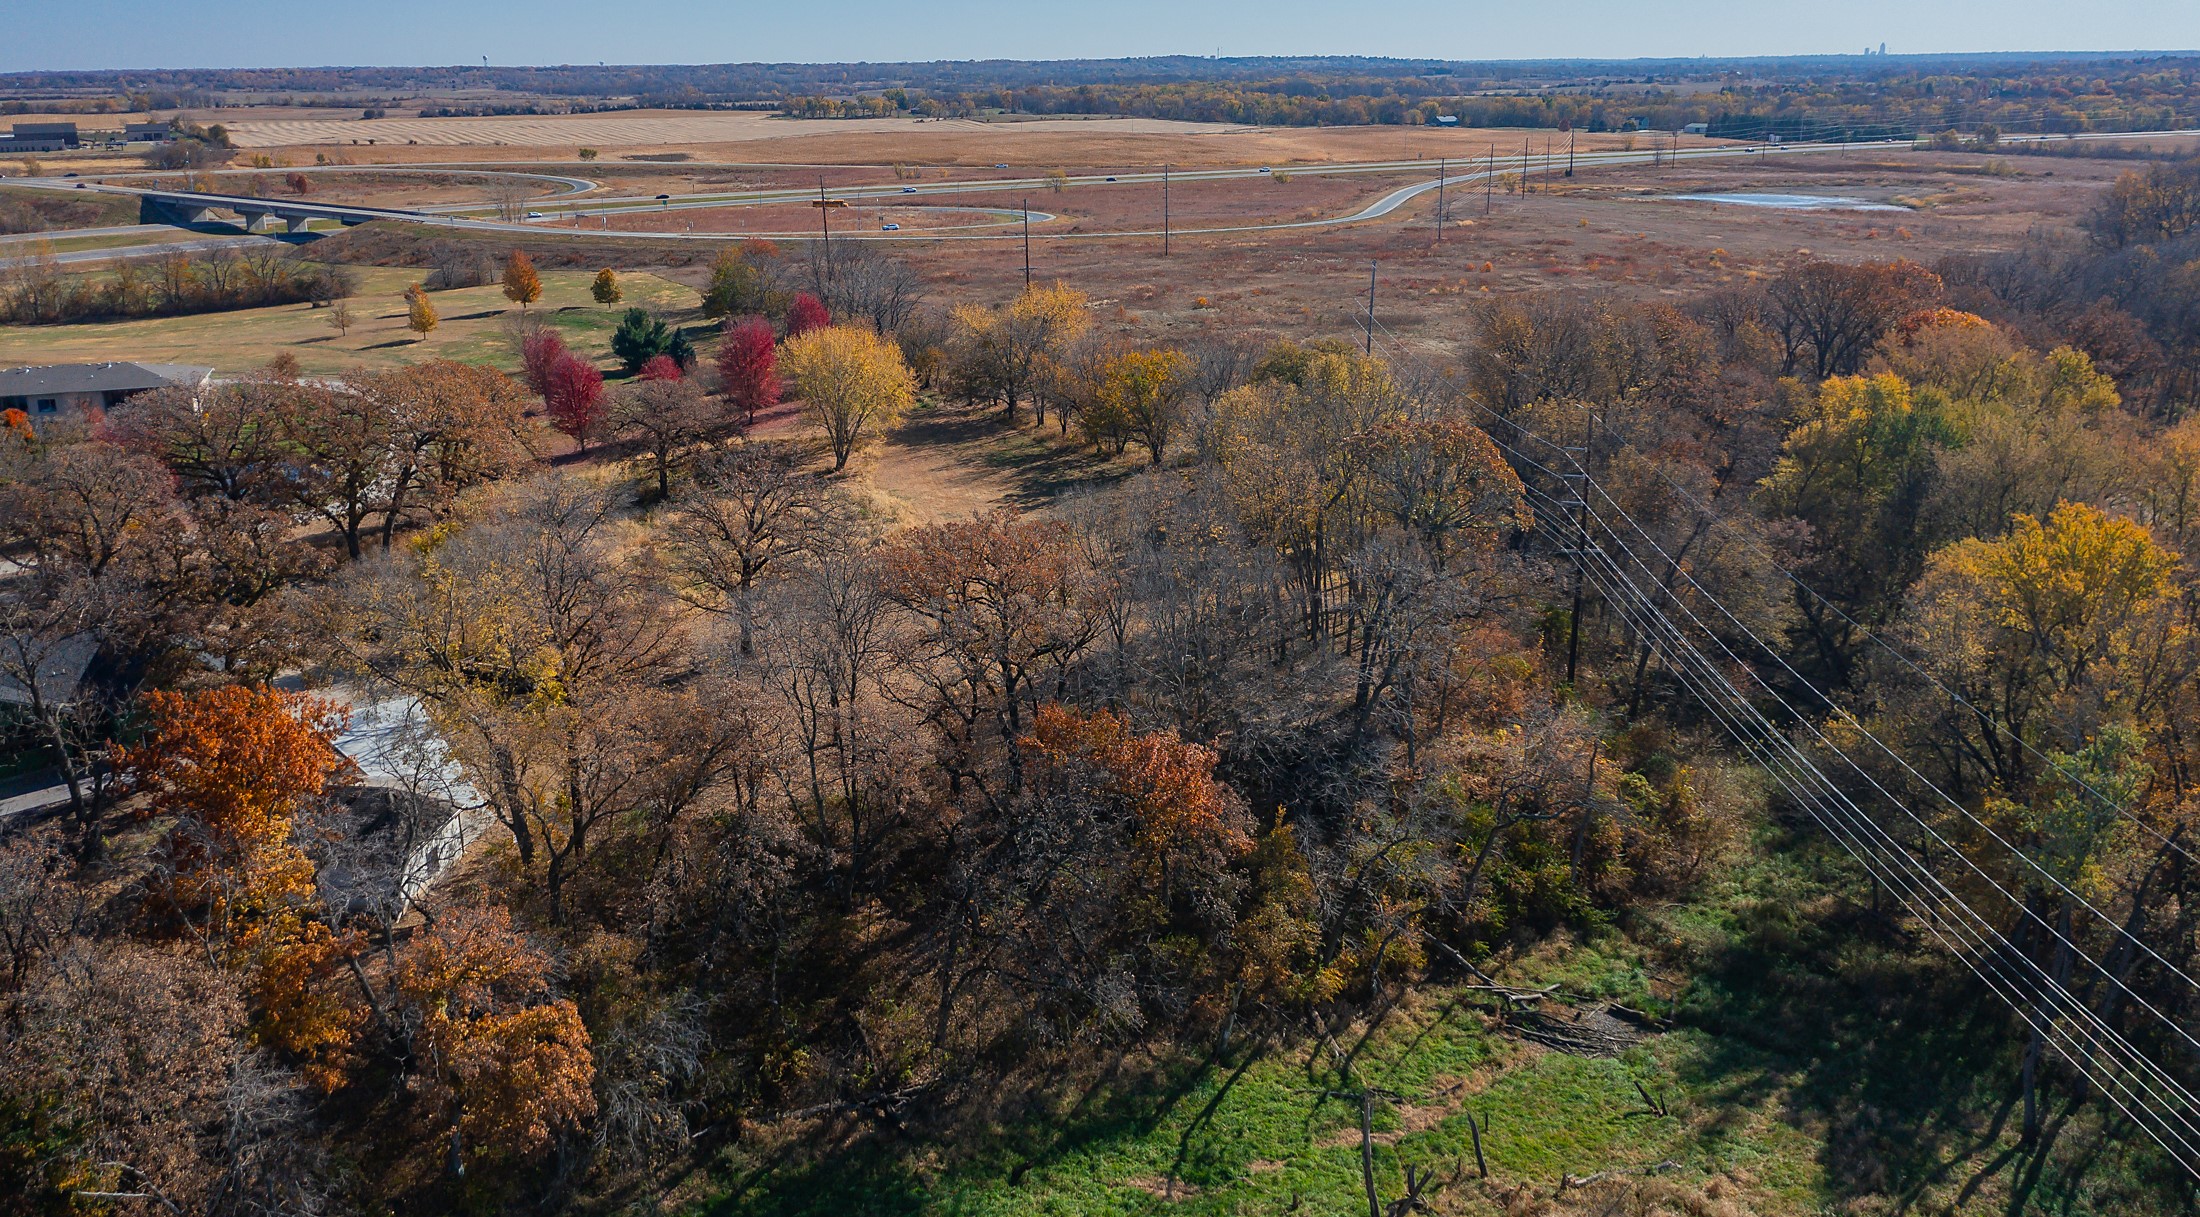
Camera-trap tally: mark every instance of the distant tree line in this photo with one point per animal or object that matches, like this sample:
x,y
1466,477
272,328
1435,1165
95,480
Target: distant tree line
x,y
1799,97
36,292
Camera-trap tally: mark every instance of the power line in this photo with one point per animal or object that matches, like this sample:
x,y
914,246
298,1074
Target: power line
x,y
1674,565
2074,1028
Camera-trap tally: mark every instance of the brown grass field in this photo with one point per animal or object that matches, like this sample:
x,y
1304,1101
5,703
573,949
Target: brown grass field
x,y
1617,232
1613,229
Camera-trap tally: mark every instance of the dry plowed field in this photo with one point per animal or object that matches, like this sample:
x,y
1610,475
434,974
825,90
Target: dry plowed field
x,y
628,129
750,136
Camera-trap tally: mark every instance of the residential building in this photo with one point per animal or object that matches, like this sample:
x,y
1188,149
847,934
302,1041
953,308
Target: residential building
x,y
48,390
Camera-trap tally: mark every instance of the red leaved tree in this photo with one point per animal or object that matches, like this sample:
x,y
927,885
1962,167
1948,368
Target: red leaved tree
x,y
805,314
539,352
574,398
660,367
748,367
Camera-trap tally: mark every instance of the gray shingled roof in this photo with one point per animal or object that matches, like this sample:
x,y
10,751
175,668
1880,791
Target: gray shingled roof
x,y
56,378
61,669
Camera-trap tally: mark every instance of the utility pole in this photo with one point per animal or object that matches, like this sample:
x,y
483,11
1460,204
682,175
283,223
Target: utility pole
x,y
1164,211
1489,181
1371,307
1569,152
1027,244
825,218
1441,165
1526,158
1579,480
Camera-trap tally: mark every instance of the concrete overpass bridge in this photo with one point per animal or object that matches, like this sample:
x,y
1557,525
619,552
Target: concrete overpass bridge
x,y
188,207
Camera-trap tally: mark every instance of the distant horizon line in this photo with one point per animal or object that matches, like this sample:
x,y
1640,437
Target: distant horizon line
x,y
2086,53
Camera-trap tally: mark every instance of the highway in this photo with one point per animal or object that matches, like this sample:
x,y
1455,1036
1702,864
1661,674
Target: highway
x,y
116,253
1469,171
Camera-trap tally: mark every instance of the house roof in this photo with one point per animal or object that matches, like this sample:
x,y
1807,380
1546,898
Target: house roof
x,y
61,670
56,378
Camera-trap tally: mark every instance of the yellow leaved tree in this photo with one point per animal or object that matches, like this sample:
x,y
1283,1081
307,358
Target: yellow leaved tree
x,y
851,383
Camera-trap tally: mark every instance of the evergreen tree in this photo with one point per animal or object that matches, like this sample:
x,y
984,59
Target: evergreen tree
x,y
638,337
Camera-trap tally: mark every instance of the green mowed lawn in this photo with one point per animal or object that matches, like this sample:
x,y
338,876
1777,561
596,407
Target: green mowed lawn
x,y
472,327
1263,1135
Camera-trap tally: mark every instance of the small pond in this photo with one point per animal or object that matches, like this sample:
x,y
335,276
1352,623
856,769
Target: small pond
x,y
1790,202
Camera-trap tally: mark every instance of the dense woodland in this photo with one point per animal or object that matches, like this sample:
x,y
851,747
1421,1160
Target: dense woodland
x,y
1840,102
1805,97
785,814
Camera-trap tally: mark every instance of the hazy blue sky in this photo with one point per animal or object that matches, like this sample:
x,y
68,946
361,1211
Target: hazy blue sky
x,y
221,33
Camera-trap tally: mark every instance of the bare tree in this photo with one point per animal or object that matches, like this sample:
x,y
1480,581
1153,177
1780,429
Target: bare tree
x,y
139,1046
643,1064
510,196
752,512
39,908
866,282
667,418
547,657
829,649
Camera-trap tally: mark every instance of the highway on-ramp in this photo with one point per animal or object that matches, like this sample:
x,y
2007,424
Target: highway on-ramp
x,y
1469,171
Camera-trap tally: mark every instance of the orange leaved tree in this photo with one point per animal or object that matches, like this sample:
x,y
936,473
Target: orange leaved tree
x,y
522,286
1179,814
234,766
508,1062
1003,608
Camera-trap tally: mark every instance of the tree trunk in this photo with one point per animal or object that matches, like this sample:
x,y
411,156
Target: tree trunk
x,y
1367,1152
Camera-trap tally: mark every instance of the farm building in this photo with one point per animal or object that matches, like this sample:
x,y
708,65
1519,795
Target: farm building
x,y
40,137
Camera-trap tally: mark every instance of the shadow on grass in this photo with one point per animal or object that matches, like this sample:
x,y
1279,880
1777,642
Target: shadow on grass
x,y
876,1175
1040,463
1886,1044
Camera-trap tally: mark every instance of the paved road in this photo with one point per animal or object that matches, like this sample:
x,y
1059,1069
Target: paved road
x,y
31,793
564,183
71,234
1471,172
155,249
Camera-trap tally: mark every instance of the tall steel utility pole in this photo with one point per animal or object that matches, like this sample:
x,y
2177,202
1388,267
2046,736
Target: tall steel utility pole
x,y
1526,158
1371,307
1569,153
1165,210
1442,165
1577,482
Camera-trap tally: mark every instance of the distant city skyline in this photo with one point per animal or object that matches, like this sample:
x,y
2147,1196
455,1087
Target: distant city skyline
x,y
91,34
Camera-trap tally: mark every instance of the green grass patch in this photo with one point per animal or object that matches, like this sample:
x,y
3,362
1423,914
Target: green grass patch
x,y
1818,1060
472,327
